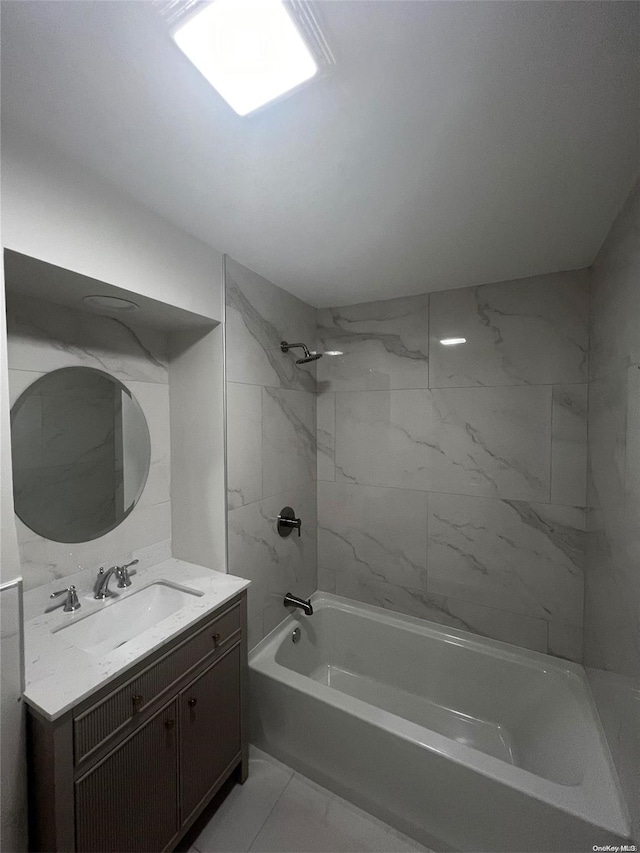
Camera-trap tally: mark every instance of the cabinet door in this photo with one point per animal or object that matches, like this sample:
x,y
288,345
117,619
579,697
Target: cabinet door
x,y
129,801
209,729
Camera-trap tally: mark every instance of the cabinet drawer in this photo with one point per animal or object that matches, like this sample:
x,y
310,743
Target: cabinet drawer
x,y
119,711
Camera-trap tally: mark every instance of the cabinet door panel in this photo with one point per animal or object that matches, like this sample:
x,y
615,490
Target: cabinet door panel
x,y
210,729
129,801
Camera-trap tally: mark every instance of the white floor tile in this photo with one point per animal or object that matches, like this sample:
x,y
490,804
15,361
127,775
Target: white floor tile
x,y
310,819
240,817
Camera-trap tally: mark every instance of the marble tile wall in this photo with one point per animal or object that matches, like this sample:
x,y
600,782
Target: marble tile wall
x,y
452,480
271,444
612,589
43,337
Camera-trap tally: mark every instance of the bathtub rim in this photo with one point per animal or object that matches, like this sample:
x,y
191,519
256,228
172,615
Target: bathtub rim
x,y
597,801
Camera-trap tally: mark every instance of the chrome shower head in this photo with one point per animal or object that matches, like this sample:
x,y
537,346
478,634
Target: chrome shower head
x,y
308,356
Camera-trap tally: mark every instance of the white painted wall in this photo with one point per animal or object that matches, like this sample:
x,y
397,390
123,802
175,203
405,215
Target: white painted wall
x,y
198,512
13,803
54,210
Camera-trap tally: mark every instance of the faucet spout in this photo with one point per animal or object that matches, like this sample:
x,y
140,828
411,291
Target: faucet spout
x,y
101,589
294,601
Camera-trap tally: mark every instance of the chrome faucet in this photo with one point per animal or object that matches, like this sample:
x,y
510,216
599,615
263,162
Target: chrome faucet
x,y
122,574
101,589
294,601
71,601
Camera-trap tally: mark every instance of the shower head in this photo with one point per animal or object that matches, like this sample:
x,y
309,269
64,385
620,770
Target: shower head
x,y
308,356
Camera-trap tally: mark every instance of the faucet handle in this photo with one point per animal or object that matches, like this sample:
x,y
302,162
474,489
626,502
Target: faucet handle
x,y
287,520
123,574
71,603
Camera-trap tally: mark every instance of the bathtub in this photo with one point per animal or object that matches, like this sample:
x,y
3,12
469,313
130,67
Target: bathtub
x,y
463,743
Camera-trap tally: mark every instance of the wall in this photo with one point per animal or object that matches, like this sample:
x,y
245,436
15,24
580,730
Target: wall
x,y
42,337
271,447
56,211
612,600
13,766
452,479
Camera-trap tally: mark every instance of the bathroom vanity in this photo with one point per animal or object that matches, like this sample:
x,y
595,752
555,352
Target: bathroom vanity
x,y
127,747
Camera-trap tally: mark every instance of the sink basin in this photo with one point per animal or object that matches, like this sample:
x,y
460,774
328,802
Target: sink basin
x,y
124,619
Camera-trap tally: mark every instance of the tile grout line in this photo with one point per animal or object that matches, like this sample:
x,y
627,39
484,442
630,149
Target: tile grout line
x,y
271,810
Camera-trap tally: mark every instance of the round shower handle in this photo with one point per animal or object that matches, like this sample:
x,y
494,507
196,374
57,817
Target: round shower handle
x,y
287,521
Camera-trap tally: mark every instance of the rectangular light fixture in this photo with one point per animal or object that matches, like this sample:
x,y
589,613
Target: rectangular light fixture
x,y
250,51
451,342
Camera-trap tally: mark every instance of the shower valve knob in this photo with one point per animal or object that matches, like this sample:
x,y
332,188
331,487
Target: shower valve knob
x,y
287,521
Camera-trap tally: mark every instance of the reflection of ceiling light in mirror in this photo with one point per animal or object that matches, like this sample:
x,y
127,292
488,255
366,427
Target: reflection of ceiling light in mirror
x,y
451,342
111,303
333,352
249,50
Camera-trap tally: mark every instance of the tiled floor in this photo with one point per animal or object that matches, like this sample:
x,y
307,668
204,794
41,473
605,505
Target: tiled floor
x,y
278,810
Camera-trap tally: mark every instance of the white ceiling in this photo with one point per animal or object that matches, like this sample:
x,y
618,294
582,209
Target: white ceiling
x,y
453,143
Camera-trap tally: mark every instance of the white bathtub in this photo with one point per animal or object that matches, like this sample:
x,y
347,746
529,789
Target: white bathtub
x,y
463,743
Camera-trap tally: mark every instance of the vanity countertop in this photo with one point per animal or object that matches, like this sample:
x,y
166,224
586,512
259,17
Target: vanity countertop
x,y
58,675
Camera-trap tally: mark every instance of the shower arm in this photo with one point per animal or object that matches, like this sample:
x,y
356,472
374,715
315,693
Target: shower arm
x,y
285,347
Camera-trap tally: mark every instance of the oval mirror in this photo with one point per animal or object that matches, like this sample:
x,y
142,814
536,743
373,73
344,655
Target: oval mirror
x,y
81,451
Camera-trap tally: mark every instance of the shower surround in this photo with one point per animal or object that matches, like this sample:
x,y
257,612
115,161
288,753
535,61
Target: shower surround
x,y
452,479
271,444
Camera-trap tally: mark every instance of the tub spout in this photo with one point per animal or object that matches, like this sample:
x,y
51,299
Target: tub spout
x,y
294,601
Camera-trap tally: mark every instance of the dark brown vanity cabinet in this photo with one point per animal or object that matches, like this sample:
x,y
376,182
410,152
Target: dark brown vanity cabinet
x,y
128,801
132,767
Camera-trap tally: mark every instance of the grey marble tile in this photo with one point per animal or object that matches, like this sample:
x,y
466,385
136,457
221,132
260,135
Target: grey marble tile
x,y
244,811
275,565
255,630
479,441
569,445
383,344
326,418
288,439
565,642
612,617
632,460
154,402
326,580
244,444
513,628
522,557
615,308
258,316
608,444
377,533
528,332
43,561
42,334
310,818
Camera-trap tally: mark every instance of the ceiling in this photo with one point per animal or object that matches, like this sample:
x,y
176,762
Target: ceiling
x,y
453,143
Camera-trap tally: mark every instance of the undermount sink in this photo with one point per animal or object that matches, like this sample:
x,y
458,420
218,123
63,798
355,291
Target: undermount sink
x,y
122,620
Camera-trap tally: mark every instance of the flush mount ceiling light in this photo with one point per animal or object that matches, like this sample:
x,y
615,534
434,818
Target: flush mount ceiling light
x,y
251,51
451,342
111,303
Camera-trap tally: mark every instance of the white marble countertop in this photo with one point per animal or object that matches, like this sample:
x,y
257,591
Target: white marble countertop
x,y
58,675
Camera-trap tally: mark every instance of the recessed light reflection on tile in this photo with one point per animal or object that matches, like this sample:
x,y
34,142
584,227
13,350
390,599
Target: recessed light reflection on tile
x,y
333,352
451,342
